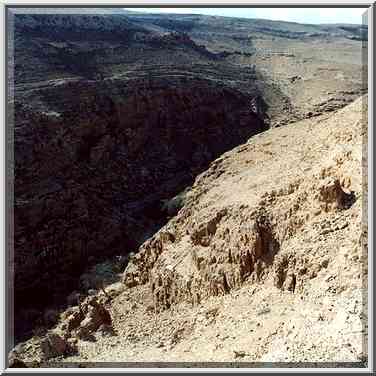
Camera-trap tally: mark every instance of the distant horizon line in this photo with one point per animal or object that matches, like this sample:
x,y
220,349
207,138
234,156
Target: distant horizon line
x,y
192,11
315,16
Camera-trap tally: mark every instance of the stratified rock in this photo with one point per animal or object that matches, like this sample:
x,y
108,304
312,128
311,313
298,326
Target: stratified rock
x,y
231,233
91,182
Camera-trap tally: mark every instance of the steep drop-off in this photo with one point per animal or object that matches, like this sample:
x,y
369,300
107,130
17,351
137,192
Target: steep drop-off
x,y
117,113
89,183
266,263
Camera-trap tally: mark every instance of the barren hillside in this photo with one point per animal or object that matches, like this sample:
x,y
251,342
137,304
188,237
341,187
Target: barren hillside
x,y
265,262
214,159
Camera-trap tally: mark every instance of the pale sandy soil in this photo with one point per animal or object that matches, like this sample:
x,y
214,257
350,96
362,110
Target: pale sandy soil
x,y
324,319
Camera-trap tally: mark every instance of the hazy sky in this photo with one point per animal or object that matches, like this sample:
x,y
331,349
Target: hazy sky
x,y
302,15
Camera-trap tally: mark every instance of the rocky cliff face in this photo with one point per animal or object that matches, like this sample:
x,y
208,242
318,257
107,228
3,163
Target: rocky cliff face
x,y
92,46
117,113
51,46
90,181
265,262
220,240
261,229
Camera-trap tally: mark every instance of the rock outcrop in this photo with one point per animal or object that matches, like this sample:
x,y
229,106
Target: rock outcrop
x,y
54,345
116,114
223,238
91,182
266,261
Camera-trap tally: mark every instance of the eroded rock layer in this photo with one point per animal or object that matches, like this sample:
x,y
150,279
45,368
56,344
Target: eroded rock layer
x,y
89,182
117,112
252,214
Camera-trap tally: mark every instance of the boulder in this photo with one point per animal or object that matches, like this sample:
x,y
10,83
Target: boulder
x,y
74,320
14,361
96,316
17,363
54,345
332,195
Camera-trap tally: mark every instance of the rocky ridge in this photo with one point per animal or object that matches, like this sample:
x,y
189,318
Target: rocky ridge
x,y
222,252
90,180
274,272
83,179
